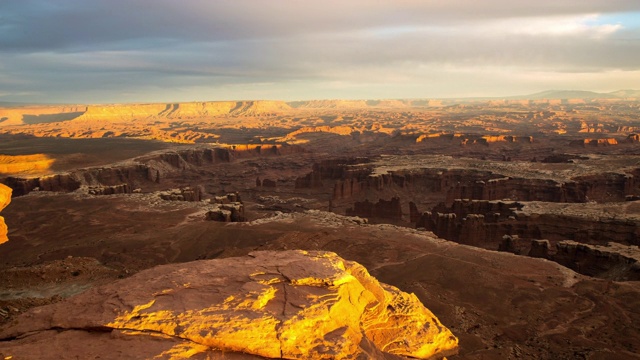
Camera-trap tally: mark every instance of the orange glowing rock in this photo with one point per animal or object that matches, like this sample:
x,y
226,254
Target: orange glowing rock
x,y
36,164
5,199
289,304
303,305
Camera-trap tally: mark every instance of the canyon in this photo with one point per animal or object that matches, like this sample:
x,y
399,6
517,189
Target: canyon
x,y
508,225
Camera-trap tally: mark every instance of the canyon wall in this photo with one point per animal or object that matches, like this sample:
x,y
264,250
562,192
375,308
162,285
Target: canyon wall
x,y
147,169
129,112
605,248
485,223
383,209
349,182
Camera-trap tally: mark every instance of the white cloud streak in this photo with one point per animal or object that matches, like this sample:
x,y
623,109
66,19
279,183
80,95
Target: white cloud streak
x,y
102,51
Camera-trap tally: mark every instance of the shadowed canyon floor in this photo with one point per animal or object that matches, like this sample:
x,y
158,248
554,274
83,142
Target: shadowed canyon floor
x,y
433,191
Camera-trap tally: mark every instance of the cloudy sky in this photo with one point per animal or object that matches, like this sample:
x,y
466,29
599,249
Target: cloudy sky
x,y
104,51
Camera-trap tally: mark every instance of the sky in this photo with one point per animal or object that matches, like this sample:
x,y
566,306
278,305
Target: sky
x,y
120,51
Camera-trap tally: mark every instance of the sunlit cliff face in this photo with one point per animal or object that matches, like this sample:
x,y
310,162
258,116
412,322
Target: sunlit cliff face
x,y
295,305
5,199
36,164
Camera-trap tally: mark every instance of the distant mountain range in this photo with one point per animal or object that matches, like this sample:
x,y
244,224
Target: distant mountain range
x,y
579,94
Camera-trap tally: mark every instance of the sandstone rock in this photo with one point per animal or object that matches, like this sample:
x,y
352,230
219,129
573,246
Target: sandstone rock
x,y
227,208
226,213
109,190
184,194
414,213
268,183
292,305
510,244
540,249
25,164
633,138
383,209
595,142
5,199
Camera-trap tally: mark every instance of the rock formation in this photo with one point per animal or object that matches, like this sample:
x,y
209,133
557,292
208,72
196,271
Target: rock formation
x,y
109,190
24,164
292,305
383,209
227,208
595,142
5,199
184,194
539,249
144,170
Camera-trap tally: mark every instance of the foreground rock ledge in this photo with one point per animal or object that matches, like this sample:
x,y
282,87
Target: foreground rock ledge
x,y
5,199
290,304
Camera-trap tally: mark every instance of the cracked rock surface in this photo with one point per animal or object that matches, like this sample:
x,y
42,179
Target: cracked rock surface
x,y
275,304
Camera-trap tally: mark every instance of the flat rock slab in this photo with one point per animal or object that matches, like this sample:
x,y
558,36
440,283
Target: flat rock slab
x,y
275,304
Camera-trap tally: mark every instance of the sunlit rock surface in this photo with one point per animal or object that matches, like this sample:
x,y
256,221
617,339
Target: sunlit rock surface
x,y
5,199
25,164
290,304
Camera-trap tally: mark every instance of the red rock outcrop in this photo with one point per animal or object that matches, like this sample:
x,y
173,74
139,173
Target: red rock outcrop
x,y
293,305
595,142
5,199
227,208
185,194
59,182
540,249
633,138
109,190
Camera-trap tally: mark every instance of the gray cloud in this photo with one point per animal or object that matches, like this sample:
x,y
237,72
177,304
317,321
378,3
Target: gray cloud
x,y
102,51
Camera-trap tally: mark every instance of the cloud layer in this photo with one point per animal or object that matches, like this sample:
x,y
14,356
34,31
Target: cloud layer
x,y
161,50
